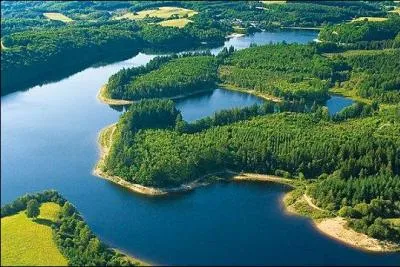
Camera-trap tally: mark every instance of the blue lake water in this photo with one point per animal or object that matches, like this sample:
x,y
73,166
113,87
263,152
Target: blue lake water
x,y
49,140
336,103
205,104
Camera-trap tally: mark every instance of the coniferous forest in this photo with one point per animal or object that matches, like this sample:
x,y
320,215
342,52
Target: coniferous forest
x,y
306,94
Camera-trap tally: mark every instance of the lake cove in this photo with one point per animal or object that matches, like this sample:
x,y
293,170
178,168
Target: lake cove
x,y
234,223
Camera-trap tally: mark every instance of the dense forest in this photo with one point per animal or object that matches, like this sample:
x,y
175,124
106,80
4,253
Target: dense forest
x,y
28,36
353,157
33,56
292,72
287,141
165,77
358,171
292,13
358,31
368,201
71,234
286,71
374,75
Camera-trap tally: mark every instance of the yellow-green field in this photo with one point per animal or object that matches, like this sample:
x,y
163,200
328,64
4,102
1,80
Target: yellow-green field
x,y
396,10
161,12
273,2
375,19
349,53
25,242
57,16
395,222
180,23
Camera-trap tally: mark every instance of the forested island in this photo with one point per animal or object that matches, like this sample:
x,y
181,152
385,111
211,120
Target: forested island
x,y
48,212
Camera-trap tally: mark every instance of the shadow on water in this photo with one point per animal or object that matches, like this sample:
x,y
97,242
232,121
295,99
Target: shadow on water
x,y
67,70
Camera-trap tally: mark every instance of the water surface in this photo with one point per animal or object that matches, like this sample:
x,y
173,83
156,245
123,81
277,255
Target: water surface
x,y
205,104
336,103
49,140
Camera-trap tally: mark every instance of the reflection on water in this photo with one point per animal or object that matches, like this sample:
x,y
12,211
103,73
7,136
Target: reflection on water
x,y
205,104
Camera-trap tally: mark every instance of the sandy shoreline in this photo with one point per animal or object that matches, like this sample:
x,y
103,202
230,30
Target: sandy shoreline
x,y
336,228
235,35
249,91
109,101
157,191
119,102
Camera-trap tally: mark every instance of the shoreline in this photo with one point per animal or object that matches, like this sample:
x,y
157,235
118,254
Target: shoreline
x,y
120,102
109,101
159,191
134,259
333,227
251,92
336,228
235,35
302,28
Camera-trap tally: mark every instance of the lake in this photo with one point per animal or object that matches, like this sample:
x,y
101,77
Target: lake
x,y
336,103
205,104
49,141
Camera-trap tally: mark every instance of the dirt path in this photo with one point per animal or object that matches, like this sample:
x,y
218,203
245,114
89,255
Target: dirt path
x,y
310,203
261,178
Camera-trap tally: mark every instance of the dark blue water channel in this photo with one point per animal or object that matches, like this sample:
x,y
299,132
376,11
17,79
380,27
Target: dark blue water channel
x,y
49,140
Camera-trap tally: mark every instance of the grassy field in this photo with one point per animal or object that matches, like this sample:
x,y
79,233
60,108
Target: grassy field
x,y
369,19
27,242
273,2
161,12
57,16
180,23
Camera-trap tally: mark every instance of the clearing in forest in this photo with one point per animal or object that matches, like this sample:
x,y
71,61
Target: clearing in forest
x,y
161,12
180,23
57,16
375,19
30,242
273,2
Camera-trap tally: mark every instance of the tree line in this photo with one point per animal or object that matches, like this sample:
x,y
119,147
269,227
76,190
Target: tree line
x,y
165,77
366,201
288,71
71,234
37,56
362,31
286,141
374,75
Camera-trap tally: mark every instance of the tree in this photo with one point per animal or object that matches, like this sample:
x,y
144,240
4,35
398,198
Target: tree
x,y
32,209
